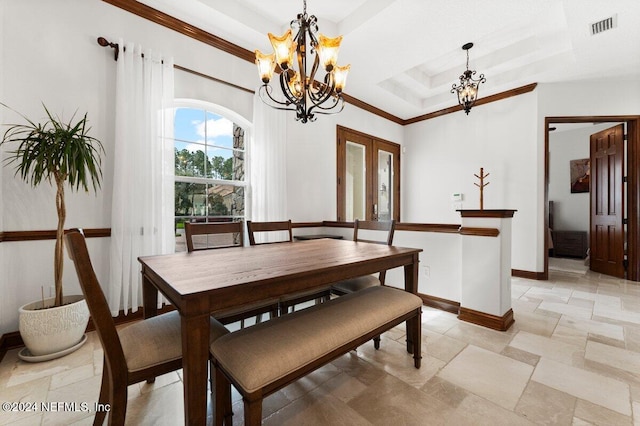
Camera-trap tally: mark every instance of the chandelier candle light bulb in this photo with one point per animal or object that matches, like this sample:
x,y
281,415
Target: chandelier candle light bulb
x,y
302,92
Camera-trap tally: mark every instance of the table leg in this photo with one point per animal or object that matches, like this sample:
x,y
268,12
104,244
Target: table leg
x,y
195,355
149,297
411,285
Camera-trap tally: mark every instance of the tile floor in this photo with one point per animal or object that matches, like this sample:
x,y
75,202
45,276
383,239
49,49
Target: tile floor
x,y
571,358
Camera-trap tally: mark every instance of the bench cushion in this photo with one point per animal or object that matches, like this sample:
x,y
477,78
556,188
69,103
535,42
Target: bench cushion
x,y
261,354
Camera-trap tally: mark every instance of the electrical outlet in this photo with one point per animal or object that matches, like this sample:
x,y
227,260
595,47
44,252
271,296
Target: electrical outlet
x,y
426,270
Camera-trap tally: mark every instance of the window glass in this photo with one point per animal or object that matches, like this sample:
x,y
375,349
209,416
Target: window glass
x,y
210,182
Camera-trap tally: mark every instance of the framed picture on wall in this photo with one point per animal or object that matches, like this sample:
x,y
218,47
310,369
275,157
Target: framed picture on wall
x,y
579,172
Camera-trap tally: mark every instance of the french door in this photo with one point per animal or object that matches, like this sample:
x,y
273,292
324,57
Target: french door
x,y
368,178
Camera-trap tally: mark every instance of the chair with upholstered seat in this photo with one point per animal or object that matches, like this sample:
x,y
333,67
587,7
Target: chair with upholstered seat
x,y
138,352
285,234
215,235
384,230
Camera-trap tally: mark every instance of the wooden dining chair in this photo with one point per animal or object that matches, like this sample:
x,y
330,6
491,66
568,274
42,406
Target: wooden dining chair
x,y
138,352
386,230
382,229
212,235
284,229
216,235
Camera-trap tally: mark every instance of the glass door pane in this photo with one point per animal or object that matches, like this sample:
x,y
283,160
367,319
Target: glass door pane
x,y
355,182
384,197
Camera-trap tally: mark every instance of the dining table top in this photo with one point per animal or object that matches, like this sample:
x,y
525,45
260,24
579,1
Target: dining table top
x,y
192,273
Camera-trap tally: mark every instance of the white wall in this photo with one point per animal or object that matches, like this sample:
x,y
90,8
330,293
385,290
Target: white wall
x,y
443,154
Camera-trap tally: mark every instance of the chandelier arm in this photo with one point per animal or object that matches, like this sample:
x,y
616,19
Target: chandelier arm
x,y
329,110
284,86
314,69
265,89
326,89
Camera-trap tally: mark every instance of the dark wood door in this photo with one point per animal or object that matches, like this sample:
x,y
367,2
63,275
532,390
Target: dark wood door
x,y
607,202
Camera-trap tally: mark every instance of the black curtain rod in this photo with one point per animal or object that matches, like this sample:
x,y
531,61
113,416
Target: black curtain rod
x,y
106,43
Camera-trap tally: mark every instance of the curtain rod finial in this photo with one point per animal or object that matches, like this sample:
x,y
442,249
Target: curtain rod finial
x,y
105,43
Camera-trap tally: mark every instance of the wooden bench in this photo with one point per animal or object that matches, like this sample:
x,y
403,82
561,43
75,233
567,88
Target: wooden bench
x,y
264,358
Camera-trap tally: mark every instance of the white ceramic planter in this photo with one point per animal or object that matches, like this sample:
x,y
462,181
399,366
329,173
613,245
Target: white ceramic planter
x,y
52,330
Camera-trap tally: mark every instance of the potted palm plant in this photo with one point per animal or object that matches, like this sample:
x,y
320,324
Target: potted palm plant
x,y
60,153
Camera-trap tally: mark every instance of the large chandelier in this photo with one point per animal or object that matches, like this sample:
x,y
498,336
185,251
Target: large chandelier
x,y
467,91
302,92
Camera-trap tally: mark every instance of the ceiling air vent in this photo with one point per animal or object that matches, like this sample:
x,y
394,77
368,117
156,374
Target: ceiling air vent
x,y
604,25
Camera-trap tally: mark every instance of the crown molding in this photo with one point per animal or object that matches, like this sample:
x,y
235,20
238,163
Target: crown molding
x,y
168,21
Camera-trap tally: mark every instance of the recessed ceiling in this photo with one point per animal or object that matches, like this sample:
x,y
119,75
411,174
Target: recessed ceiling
x,y
406,54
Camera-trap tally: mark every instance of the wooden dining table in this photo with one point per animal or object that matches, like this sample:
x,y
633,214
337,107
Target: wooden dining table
x,y
201,283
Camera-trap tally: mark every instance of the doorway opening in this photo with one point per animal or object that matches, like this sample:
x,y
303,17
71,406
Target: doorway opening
x,y
632,179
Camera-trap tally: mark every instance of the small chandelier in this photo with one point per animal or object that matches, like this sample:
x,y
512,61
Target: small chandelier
x,y
467,91
302,93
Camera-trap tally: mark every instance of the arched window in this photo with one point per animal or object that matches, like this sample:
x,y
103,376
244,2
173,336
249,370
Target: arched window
x,y
210,157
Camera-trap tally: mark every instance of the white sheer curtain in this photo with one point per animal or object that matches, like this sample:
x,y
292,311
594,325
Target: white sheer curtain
x,y
142,202
268,159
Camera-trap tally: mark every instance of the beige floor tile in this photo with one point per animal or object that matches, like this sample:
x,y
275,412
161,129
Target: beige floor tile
x,y
565,309
80,396
164,380
520,355
393,358
614,357
478,411
544,405
546,347
522,305
310,382
344,387
555,294
495,377
476,335
441,347
32,393
594,327
73,375
518,289
532,322
358,368
393,402
592,387
445,391
597,415
316,408
636,412
570,336
438,321
161,407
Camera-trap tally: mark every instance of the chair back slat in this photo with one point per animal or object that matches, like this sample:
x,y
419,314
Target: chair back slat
x,y
388,227
96,301
222,228
254,227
